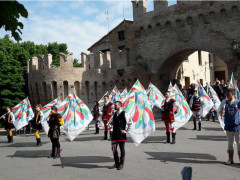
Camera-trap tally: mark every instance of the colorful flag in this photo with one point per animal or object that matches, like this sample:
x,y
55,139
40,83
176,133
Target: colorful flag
x,y
231,84
23,113
76,116
139,112
217,101
170,86
155,96
221,120
124,95
47,111
114,95
101,101
184,112
236,91
207,102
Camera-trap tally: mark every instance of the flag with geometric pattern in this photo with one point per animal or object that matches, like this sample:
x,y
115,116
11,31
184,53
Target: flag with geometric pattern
x,y
155,96
47,112
23,114
76,116
139,112
114,95
207,104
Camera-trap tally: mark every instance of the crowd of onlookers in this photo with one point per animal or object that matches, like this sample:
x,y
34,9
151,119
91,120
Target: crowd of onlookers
x,y
219,86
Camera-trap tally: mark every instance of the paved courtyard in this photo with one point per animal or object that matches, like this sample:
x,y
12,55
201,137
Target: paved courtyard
x,y
89,156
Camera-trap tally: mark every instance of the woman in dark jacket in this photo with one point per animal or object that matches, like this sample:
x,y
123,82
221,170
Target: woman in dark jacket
x,y
119,135
55,120
95,112
36,123
8,118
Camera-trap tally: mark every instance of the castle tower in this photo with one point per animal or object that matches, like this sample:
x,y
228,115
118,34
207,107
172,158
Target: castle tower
x,y
139,9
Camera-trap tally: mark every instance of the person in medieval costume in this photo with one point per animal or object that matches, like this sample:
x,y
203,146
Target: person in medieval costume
x,y
95,112
195,104
55,120
7,122
212,110
36,123
119,137
229,110
169,108
106,113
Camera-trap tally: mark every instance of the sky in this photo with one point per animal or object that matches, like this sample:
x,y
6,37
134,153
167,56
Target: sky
x,y
79,24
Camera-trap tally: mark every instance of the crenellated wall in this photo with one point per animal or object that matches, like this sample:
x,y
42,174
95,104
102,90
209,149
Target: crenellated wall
x,y
89,82
155,45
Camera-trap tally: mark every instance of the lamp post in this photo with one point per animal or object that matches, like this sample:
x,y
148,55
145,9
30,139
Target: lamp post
x,y
235,47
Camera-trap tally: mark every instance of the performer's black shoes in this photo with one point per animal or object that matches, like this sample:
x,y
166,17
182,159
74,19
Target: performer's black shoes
x,y
110,136
51,156
58,155
195,126
113,167
116,159
105,135
39,143
121,165
173,138
10,139
168,137
97,131
199,126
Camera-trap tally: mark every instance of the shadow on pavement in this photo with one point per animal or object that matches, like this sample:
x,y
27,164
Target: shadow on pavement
x,y
88,162
197,158
31,154
24,144
154,139
212,129
150,139
91,138
163,128
160,128
210,138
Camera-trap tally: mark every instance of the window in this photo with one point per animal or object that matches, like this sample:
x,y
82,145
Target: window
x,y
65,89
54,89
121,47
199,58
87,84
77,87
121,35
210,60
105,50
96,90
201,81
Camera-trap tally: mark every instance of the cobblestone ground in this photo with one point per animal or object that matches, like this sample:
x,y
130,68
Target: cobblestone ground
x,y
89,156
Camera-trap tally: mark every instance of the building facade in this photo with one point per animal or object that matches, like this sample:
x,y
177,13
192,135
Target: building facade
x,y
202,66
150,48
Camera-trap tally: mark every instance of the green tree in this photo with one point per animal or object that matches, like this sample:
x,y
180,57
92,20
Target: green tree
x,y
13,71
54,49
11,75
76,63
10,12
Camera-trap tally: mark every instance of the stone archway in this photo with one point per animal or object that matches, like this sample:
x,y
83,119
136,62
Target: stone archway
x,y
167,34
166,71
